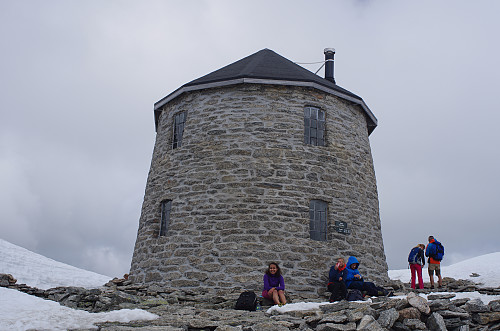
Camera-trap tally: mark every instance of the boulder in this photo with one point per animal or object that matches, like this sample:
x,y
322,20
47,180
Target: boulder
x,y
494,305
334,318
453,323
418,302
369,323
486,318
399,326
440,304
435,322
415,324
387,318
336,327
409,313
6,280
441,296
476,306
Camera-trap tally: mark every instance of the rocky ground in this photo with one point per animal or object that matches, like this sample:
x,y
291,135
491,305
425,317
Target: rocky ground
x,y
213,310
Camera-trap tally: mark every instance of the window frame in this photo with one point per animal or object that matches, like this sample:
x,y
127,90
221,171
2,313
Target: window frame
x,y
314,126
178,126
165,209
318,220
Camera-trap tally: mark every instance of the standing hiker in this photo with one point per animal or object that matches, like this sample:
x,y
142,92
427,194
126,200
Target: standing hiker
x,y
416,260
435,252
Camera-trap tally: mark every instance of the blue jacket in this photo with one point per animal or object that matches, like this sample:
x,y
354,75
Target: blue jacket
x,y
431,251
431,248
335,275
351,272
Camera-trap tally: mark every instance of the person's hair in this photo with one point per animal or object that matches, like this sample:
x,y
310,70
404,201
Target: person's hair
x,y
341,258
431,237
421,246
278,272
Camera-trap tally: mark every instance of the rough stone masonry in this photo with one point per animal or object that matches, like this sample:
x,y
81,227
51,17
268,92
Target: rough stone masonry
x,y
240,188
198,310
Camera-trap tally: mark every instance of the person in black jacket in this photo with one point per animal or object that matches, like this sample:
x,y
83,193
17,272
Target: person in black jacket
x,y
337,275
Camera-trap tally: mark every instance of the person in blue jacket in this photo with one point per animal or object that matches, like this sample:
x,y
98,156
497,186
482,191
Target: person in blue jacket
x,y
337,276
434,260
354,280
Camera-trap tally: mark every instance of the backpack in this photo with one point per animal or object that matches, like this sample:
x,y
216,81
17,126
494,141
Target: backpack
x,y
439,251
246,301
382,292
413,256
354,295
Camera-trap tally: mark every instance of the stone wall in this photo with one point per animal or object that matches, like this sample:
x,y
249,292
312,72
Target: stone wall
x,y
240,187
208,309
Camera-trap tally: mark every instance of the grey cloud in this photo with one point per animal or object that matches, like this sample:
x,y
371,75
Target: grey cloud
x,y
79,80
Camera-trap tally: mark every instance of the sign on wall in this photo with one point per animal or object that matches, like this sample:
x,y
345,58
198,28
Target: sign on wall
x,y
341,227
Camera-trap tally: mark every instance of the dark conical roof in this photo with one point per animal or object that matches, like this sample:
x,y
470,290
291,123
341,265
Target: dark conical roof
x,y
266,67
266,64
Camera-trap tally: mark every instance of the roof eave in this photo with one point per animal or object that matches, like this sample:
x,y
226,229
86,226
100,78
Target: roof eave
x,y
371,123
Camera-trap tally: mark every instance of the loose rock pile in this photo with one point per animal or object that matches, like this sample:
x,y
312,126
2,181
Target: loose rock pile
x,y
213,310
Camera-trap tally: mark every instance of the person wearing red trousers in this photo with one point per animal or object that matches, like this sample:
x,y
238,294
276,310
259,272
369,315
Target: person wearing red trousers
x,y
416,267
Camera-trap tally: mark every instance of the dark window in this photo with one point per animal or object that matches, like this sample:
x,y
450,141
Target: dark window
x,y
317,220
179,121
314,126
165,207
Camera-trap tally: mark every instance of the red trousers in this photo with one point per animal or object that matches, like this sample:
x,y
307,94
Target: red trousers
x,y
414,267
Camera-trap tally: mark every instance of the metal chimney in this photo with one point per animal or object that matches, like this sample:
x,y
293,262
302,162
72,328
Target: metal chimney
x,y
329,53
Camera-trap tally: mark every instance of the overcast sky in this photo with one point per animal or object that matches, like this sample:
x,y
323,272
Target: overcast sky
x,y
78,80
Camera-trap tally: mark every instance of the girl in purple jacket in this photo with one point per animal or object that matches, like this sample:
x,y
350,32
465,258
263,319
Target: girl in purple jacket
x,y
274,285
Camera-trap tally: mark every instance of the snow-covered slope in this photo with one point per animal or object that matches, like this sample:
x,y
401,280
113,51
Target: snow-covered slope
x,y
487,266
20,311
39,271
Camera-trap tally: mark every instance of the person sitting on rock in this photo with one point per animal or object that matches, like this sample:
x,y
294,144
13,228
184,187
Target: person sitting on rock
x,y
354,280
274,285
337,276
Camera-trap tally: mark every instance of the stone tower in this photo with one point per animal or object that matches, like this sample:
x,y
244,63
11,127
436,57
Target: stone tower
x,y
259,161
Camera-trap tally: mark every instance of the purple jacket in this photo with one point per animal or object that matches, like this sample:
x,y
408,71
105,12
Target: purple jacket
x,y
273,281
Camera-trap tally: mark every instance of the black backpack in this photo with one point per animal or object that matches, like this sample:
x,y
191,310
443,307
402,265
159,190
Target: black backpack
x,y
354,295
246,301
